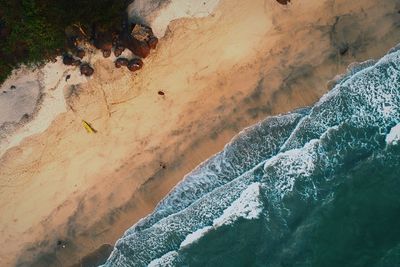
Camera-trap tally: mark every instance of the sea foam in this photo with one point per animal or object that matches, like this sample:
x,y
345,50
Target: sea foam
x,y
276,172
394,135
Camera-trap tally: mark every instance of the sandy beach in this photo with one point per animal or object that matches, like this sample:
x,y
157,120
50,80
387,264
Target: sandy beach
x,y
220,73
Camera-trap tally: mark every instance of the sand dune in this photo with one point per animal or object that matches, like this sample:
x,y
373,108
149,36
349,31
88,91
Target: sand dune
x,y
220,73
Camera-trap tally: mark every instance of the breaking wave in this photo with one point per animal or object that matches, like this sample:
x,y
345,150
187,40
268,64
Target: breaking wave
x,y
316,187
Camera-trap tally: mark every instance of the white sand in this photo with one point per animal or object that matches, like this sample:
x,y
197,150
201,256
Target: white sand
x,y
39,93
46,83
159,13
15,102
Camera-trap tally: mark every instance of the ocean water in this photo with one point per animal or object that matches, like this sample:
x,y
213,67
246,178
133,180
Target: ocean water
x,y
319,186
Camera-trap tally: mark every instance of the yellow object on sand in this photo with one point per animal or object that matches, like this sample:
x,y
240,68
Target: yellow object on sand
x,y
88,127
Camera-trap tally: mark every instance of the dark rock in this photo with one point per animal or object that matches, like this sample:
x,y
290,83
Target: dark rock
x,y
139,48
283,2
139,40
86,70
106,52
135,64
12,87
121,62
161,93
152,42
118,50
68,60
80,53
141,32
76,62
67,77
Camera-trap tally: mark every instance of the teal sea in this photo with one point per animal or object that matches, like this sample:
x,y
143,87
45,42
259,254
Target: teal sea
x,y
319,186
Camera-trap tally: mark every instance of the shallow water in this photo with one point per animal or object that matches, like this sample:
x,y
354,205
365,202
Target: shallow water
x,y
316,187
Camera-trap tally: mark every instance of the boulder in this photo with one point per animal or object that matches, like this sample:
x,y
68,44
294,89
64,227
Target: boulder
x,y
106,52
80,53
139,40
121,62
68,60
86,70
118,50
135,64
139,48
141,32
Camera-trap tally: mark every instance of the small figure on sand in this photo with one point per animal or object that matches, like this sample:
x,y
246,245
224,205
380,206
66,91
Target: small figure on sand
x,y
163,165
61,243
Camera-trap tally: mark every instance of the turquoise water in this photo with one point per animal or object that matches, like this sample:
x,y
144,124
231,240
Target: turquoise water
x,y
316,187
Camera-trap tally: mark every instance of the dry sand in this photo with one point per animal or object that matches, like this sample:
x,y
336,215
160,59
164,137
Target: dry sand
x,y
221,73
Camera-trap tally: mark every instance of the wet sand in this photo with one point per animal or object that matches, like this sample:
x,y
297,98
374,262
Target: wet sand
x,y
219,74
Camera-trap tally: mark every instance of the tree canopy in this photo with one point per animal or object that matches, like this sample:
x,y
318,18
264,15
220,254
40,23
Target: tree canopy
x,y
32,31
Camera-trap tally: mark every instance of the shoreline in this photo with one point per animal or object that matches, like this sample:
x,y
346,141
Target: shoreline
x,y
205,105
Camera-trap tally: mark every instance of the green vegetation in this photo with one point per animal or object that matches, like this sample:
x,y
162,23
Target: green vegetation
x,y
33,31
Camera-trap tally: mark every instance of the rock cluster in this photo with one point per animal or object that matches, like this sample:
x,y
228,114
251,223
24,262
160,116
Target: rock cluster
x,y
138,38
132,65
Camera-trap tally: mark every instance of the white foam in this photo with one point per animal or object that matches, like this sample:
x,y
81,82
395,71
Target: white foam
x,y
165,261
393,136
290,165
193,237
247,206
158,14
